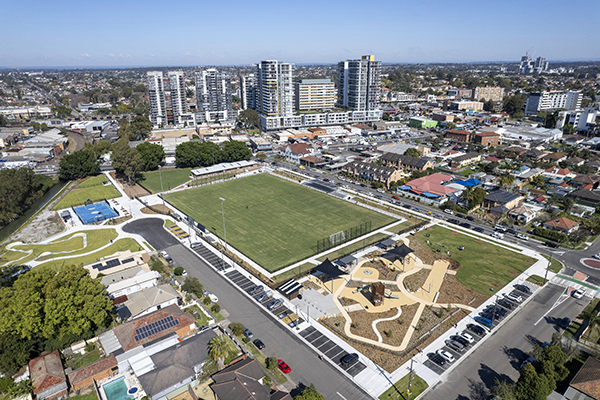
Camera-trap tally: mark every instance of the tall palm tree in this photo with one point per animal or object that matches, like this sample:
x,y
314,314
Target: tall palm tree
x,y
591,315
217,349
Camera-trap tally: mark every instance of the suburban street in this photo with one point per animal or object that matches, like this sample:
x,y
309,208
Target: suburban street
x,y
280,342
501,355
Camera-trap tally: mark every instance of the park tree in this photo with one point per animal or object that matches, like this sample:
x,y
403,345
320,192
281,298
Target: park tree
x,y
412,152
78,165
261,155
188,154
3,120
217,349
127,160
152,154
309,393
62,111
139,128
568,129
209,154
236,328
249,118
502,390
54,305
126,92
193,285
18,189
531,385
514,105
234,150
16,352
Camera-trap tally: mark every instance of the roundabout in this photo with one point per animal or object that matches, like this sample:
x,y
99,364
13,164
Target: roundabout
x,y
591,263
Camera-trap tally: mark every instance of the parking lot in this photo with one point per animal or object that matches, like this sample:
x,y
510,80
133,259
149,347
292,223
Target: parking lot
x,y
506,307
331,350
209,257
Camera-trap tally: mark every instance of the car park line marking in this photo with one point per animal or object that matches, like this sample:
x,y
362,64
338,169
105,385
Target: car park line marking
x,y
563,296
339,394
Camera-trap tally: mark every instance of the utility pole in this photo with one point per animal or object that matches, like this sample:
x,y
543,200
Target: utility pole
x,y
409,379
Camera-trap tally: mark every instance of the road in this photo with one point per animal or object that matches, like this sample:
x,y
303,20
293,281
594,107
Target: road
x,y
501,354
280,341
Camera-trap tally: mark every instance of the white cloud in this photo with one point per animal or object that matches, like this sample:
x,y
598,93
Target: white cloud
x,y
86,55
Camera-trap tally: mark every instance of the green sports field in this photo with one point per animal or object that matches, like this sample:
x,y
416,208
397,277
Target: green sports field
x,y
91,189
273,221
171,178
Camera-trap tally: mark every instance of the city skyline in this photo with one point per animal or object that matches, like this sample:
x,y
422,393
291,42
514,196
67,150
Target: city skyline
x,y
119,34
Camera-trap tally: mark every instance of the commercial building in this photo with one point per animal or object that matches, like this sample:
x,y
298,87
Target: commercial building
x,y
457,135
406,163
156,97
248,91
487,138
466,105
460,93
213,96
421,123
315,94
359,84
488,93
548,101
275,90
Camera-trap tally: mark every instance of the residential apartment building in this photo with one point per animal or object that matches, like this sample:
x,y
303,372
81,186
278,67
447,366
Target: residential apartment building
x,y
487,138
213,96
156,97
373,173
460,93
359,84
581,120
176,98
528,66
248,91
405,163
466,105
275,90
548,101
315,94
488,93
457,135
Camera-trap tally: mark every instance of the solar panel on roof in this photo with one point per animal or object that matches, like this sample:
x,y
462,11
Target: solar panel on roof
x,y
112,263
96,266
127,260
155,327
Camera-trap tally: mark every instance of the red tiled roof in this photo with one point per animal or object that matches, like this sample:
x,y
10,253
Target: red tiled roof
x,y
431,184
90,370
482,134
46,371
587,380
492,159
540,199
558,171
126,332
300,148
458,132
561,223
312,159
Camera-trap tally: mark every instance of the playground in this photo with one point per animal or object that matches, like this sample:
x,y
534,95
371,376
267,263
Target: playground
x,y
376,287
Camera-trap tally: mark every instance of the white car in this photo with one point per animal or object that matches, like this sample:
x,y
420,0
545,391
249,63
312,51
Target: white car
x,y
448,211
466,336
447,356
597,256
522,237
164,254
579,293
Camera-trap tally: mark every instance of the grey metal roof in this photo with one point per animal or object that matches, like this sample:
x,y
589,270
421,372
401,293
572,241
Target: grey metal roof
x,y
109,342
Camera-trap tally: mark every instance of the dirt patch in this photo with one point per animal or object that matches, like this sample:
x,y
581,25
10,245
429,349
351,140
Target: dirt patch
x,y
436,321
119,220
132,191
385,273
346,301
452,291
428,256
362,322
393,332
163,209
416,280
46,224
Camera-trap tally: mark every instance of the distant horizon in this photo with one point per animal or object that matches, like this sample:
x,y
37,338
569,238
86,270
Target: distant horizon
x,y
299,64
71,34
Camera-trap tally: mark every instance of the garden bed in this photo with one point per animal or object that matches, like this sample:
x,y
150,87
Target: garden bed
x,y
452,291
416,280
362,322
393,331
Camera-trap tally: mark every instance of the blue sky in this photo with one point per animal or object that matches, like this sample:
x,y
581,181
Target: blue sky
x,y
215,32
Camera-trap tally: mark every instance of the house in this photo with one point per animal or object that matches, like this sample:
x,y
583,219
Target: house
x,y
515,151
430,187
176,366
457,135
372,173
149,300
101,369
536,154
524,213
487,139
587,197
138,332
313,161
575,161
133,284
558,173
589,182
554,157
562,224
243,380
573,140
594,164
48,377
294,152
465,159
508,200
406,163
585,385
260,144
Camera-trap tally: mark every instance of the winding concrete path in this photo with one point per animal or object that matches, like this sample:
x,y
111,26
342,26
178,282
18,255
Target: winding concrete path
x,y
374,324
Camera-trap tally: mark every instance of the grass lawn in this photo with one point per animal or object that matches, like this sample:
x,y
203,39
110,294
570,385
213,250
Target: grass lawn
x,y
344,251
91,189
399,389
555,265
203,318
262,359
273,221
119,245
466,172
572,329
294,272
91,396
170,178
79,360
482,264
538,280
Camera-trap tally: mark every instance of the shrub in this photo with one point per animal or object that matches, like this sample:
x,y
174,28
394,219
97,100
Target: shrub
x,y
178,271
550,234
89,347
215,308
236,328
271,363
206,300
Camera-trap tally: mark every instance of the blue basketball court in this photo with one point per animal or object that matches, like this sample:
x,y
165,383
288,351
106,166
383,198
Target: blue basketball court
x,y
95,212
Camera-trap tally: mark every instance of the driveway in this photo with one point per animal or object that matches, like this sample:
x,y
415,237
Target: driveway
x,y
279,341
500,356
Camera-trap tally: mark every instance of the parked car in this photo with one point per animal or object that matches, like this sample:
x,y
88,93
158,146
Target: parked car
x,y
248,333
484,321
263,296
578,293
465,225
469,218
193,245
511,231
528,361
523,288
564,323
454,221
466,336
500,228
506,304
274,304
478,229
448,356
256,290
514,297
460,215
395,197
349,359
436,358
522,237
406,206
259,344
448,211
283,367
552,244
477,329
497,235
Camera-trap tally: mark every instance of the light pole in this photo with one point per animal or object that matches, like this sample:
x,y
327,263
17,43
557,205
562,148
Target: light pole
x,y
161,187
224,233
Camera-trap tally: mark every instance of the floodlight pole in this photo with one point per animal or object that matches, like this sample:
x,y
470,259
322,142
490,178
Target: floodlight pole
x,y
161,187
224,233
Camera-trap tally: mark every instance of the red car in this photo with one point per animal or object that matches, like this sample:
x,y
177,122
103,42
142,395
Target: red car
x,y
283,367
395,197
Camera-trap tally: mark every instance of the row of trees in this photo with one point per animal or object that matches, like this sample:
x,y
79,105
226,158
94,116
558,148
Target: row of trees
x,y
197,154
19,188
45,310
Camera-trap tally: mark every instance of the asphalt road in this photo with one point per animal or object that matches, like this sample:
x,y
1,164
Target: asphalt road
x,y
280,342
500,356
